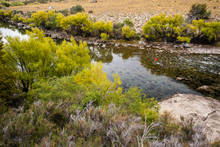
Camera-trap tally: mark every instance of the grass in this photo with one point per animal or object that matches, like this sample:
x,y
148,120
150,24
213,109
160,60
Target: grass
x,y
115,7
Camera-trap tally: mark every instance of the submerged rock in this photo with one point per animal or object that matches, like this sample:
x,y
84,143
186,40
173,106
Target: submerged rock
x,y
203,110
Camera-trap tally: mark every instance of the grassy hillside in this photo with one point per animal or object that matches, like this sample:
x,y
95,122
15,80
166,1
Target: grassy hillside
x,y
116,7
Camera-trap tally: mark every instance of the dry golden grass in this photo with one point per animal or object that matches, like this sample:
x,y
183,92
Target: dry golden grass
x,y
115,7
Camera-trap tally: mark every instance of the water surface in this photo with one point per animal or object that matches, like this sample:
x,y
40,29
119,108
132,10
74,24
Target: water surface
x,y
137,67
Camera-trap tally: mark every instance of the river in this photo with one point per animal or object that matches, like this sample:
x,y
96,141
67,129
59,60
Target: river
x,y
157,78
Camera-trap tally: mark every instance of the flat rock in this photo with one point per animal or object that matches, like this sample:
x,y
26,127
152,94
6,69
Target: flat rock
x,y
203,110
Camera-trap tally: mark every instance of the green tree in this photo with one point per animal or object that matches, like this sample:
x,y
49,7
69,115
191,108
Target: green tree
x,y
40,57
71,57
162,27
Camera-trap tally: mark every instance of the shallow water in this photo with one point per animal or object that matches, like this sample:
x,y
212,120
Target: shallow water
x,y
12,33
137,67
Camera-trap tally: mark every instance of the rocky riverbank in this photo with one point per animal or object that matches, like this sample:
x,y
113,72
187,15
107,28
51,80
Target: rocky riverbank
x,y
203,110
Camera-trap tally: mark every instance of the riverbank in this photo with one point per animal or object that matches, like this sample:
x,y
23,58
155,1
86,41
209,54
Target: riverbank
x,y
185,48
204,111
136,10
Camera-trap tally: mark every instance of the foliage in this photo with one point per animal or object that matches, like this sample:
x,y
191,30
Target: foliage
x,y
65,12
199,11
56,89
128,33
44,19
183,39
5,3
104,36
76,9
16,3
102,27
18,18
5,14
128,22
71,57
205,31
40,57
55,124
163,27
78,24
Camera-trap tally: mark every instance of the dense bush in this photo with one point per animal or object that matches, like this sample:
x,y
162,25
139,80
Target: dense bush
x,y
128,22
199,11
65,12
76,9
104,36
162,27
16,3
5,3
204,32
78,24
102,27
128,33
44,19
19,18
5,15
40,57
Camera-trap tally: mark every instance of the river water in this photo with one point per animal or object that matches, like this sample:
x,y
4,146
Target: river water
x,y
137,67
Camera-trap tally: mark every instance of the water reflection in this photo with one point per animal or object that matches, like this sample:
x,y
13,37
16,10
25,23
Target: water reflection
x,y
137,67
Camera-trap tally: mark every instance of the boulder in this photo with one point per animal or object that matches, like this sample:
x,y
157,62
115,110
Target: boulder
x,y
203,110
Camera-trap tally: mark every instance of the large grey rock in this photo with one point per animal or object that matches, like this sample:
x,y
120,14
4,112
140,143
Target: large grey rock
x,y
203,110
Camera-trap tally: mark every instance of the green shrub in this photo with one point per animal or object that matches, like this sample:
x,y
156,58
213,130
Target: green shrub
x,y
128,33
5,14
104,36
5,3
163,27
204,32
78,24
128,22
44,19
40,57
199,11
71,57
64,12
76,9
183,39
102,27
18,18
16,3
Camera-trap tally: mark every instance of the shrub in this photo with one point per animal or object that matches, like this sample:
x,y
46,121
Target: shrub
x,y
163,27
199,11
102,27
44,19
5,3
104,36
128,33
71,57
5,15
64,12
78,24
40,57
57,89
183,39
18,18
204,32
128,22
16,3
76,9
